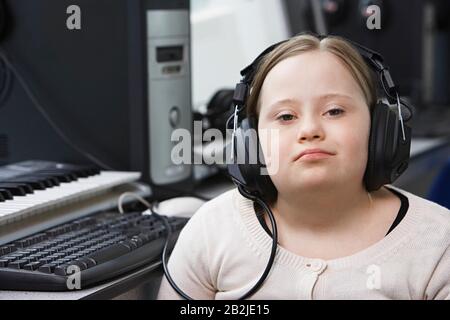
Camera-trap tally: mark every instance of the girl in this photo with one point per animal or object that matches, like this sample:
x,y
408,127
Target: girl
x,y
336,240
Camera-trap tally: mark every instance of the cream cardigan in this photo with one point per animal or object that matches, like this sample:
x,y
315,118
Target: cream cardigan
x,y
223,250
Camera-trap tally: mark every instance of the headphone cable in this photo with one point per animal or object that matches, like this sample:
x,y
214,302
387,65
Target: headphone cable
x,y
269,263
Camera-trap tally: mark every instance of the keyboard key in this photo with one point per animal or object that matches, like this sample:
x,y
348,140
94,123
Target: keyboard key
x,y
109,253
49,251
62,261
61,270
138,241
7,249
48,259
129,244
17,264
88,261
32,266
47,268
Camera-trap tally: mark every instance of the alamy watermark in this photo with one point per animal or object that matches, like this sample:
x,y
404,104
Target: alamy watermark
x,y
373,14
242,148
374,279
73,281
73,21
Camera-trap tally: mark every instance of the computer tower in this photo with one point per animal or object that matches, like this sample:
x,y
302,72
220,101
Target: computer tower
x,y
116,86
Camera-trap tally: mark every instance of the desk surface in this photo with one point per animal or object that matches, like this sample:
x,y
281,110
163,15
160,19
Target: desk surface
x,y
421,145
104,291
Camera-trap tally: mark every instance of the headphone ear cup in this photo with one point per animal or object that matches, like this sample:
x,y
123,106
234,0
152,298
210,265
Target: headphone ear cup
x,y
383,147
249,163
373,176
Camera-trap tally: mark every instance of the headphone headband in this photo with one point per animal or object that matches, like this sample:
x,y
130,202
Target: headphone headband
x,y
371,57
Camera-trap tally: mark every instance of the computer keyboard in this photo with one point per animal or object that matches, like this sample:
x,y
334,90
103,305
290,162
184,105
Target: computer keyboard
x,y
97,248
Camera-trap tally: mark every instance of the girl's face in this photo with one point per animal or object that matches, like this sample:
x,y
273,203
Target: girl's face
x,y
311,101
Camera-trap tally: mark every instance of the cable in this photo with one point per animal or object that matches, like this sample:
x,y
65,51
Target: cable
x,y
6,82
168,237
164,257
408,107
274,242
269,263
39,107
131,194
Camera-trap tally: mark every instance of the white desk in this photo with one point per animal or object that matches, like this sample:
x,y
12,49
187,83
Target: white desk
x,y
422,145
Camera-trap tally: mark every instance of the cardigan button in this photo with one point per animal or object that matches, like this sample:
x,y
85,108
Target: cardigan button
x,y
316,265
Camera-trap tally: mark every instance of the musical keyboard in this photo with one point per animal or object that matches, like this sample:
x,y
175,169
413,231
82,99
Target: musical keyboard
x,y
32,187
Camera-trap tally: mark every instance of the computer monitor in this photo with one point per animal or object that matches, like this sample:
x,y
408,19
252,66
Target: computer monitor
x,y
113,78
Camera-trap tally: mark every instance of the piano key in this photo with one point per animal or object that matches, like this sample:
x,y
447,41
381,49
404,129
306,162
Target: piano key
x,y
35,185
80,170
54,180
27,188
51,181
6,194
15,189
47,182
61,176
63,171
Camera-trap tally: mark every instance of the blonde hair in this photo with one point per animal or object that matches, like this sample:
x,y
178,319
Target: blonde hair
x,y
301,43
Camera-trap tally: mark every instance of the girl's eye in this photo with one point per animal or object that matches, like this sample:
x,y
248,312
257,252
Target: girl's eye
x,y
285,117
335,112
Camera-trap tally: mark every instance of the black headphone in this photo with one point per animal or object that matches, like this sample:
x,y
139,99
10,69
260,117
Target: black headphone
x,y
389,141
